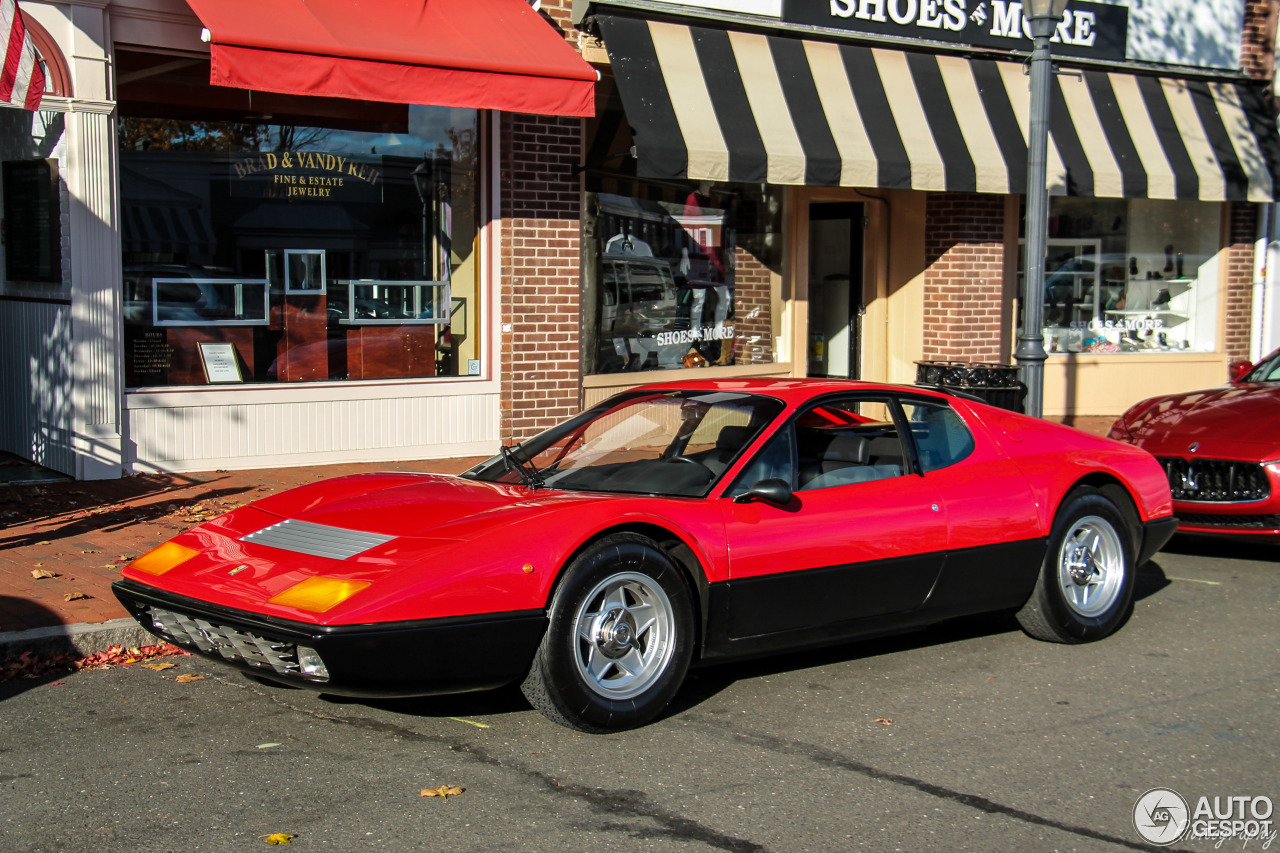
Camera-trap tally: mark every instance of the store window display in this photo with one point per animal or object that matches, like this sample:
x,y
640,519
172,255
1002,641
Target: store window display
x,y
1137,275
679,276
328,241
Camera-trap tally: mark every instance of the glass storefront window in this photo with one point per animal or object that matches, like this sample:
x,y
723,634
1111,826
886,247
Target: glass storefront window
x,y
679,276
319,249
1136,275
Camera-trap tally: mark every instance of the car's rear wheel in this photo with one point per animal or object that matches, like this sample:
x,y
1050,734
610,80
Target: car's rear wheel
x,y
1085,586
618,640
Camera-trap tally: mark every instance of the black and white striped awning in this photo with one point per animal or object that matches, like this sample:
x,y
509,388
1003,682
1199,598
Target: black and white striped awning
x,y
721,105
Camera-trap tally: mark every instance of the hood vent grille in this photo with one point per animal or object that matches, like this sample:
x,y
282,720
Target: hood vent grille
x,y
318,540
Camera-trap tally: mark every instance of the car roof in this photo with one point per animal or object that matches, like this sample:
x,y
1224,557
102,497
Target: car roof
x,y
790,391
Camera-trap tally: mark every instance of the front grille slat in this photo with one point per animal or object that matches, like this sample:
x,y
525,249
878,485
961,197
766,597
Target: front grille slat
x,y
1216,480
230,643
317,540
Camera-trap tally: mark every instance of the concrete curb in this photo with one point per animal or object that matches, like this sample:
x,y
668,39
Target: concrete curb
x,y
84,639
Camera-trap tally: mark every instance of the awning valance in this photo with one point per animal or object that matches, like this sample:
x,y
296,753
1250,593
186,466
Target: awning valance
x,y
482,54
715,104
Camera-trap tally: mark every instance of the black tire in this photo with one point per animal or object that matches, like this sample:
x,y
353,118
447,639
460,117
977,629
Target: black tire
x,y
619,638
1085,587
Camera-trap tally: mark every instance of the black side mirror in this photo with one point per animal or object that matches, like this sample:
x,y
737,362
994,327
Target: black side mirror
x,y
771,491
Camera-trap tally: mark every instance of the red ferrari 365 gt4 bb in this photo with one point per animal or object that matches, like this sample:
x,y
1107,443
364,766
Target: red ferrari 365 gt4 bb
x,y
671,525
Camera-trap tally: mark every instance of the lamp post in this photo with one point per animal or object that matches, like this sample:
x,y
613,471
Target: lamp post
x,y
422,183
1043,16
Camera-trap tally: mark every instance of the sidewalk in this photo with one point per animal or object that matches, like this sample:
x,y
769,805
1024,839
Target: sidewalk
x,y
85,532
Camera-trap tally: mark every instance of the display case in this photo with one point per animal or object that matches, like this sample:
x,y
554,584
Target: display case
x,y
1151,314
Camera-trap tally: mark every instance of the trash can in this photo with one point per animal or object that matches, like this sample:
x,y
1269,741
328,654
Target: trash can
x,y
996,384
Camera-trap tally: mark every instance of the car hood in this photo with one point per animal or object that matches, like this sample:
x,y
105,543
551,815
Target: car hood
x,y
435,505
1231,420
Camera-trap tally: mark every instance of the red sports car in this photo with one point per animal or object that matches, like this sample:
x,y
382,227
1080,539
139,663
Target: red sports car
x,y
670,525
1220,448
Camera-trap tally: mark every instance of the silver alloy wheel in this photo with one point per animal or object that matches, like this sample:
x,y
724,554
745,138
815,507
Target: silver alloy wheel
x,y
624,635
1091,566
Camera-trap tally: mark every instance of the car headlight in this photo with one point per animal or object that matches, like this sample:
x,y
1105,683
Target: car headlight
x,y
311,664
318,594
161,559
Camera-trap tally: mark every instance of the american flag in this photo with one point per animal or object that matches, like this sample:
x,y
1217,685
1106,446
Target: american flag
x,y
22,78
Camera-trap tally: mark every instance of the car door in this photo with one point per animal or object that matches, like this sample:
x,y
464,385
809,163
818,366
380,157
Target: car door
x,y
994,541
862,536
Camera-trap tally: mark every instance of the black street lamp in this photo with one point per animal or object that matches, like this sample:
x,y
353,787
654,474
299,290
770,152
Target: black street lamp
x,y
422,182
1043,16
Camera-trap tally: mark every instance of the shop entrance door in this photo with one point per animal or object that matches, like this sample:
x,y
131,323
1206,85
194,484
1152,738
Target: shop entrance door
x,y
835,288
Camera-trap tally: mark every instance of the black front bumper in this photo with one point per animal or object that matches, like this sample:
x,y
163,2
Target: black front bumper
x,y
419,658
1155,534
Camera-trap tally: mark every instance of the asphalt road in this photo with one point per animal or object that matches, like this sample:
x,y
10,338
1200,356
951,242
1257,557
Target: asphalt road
x,y
971,737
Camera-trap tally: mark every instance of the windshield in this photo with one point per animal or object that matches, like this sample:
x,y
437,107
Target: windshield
x,y
1266,371
676,443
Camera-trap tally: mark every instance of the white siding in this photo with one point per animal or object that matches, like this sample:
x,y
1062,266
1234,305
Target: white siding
x,y
257,434
35,383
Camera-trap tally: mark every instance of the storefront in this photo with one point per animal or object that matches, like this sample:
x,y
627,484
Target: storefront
x,y
857,173
275,232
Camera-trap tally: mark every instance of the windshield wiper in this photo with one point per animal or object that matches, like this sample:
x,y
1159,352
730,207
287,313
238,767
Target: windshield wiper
x,y
528,475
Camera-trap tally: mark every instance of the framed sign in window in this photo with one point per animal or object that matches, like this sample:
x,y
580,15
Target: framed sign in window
x,y
32,221
220,362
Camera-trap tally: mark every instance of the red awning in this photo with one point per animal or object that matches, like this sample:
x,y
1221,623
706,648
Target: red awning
x,y
483,54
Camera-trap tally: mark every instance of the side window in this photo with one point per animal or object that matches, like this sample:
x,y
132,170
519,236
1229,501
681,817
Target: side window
x,y
775,461
940,435
847,441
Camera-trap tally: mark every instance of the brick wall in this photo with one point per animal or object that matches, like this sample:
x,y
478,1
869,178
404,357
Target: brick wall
x,y
1239,291
539,285
963,279
1257,50
752,310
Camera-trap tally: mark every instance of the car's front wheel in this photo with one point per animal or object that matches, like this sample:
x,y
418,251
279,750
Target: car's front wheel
x,y
618,640
1085,586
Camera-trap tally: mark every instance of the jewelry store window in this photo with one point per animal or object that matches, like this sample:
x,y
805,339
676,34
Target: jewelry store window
x,y
1130,275
679,275
269,238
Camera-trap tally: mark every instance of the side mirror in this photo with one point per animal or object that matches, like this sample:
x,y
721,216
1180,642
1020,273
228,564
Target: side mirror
x,y
1239,370
771,491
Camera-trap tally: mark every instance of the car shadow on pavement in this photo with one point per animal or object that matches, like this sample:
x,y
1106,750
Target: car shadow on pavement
x,y
1223,547
37,667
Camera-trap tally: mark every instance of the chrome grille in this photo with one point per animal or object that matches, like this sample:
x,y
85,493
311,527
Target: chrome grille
x,y
230,643
318,540
1215,480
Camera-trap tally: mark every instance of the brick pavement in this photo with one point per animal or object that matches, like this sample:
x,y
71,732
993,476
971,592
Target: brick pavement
x,y
84,532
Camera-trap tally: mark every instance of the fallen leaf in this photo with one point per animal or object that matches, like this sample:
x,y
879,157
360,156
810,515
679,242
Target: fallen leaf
x,y
443,791
267,745
91,551
39,564
39,574
110,566
187,679
124,558
44,542
76,596
884,721
159,666
278,838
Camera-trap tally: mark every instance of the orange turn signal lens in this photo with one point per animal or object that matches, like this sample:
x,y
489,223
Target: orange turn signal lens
x,y
159,560
318,594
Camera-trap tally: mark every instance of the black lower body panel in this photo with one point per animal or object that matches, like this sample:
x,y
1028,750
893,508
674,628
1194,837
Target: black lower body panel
x,y
419,658
1155,534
